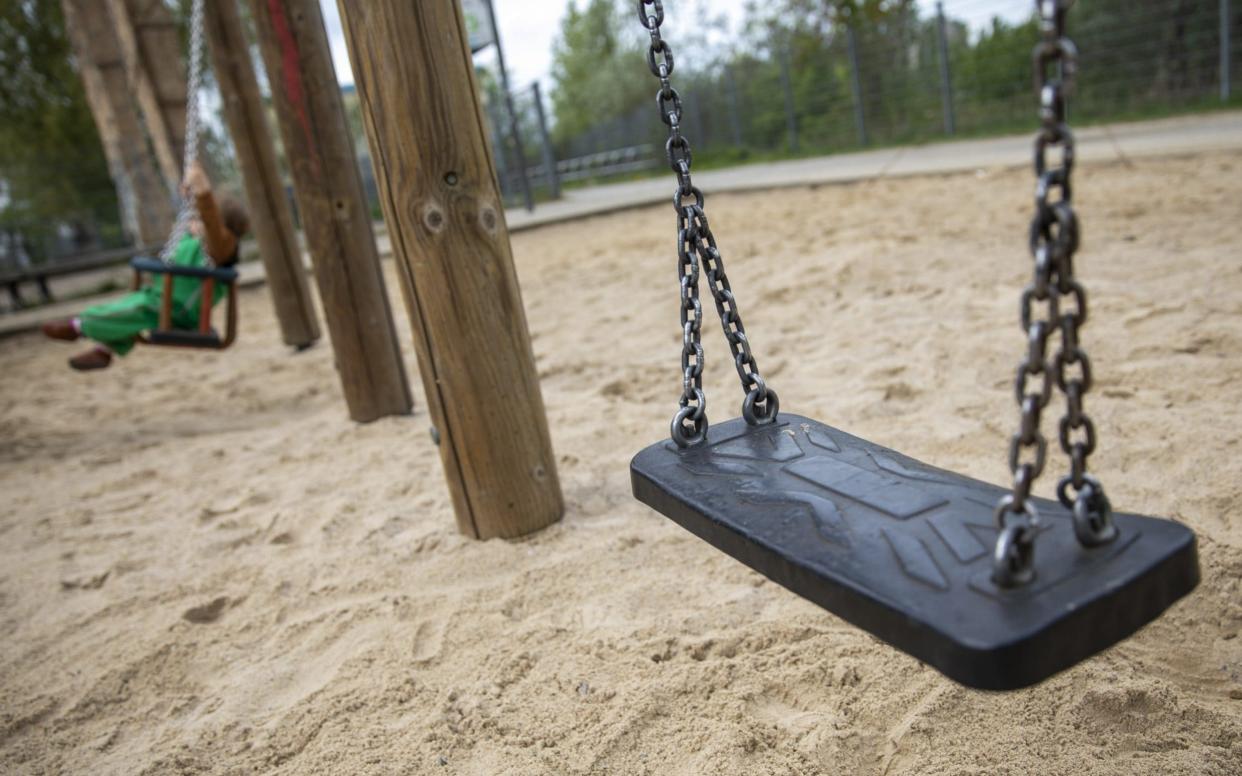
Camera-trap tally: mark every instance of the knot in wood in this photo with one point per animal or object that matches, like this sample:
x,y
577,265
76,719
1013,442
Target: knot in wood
x,y
433,217
487,217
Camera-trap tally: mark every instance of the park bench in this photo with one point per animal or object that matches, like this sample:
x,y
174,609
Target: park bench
x,y
69,265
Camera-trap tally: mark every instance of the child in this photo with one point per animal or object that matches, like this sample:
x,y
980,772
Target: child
x,y
115,326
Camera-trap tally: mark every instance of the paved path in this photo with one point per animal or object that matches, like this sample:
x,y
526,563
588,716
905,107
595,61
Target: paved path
x,y
1117,142
1105,143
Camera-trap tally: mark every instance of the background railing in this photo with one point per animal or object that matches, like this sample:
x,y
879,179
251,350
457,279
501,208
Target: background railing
x,y
781,87
951,69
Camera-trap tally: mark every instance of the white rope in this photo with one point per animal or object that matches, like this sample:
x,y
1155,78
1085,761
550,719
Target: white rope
x,y
181,226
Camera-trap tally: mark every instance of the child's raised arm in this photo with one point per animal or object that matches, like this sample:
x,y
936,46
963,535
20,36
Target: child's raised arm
x,y
218,241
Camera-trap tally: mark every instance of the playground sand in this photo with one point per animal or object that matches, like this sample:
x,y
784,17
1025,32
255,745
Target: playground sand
x,y
205,568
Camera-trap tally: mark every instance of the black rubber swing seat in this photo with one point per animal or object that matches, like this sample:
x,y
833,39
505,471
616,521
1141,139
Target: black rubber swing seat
x,y
904,550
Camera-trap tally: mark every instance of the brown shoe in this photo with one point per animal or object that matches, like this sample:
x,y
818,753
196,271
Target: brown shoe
x,y
95,358
61,330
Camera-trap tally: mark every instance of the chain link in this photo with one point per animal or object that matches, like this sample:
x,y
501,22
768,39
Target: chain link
x,y
187,209
696,251
1054,237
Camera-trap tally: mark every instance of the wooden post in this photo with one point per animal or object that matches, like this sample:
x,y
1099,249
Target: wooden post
x,y
332,207
438,187
269,207
146,207
146,34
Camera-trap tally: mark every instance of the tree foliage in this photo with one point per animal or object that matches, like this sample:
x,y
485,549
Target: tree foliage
x,y
1152,56
593,67
51,161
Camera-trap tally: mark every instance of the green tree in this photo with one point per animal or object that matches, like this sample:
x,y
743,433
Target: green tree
x,y
992,76
596,68
51,160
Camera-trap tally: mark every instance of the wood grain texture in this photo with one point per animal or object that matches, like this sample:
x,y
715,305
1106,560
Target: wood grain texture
x,y
437,182
146,207
333,210
270,214
150,52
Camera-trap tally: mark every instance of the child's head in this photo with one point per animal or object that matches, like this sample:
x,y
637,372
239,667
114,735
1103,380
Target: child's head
x,y
234,215
232,212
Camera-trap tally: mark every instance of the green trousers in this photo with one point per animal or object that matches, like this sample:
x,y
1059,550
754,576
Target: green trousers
x,y
116,325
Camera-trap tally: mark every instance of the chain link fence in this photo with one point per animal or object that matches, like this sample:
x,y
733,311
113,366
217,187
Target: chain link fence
x,y
957,68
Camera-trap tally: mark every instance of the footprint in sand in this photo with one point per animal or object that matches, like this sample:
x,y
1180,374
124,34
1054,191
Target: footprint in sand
x,y
428,640
207,613
86,581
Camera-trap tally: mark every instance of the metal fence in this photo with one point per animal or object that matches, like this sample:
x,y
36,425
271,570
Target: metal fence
x,y
961,67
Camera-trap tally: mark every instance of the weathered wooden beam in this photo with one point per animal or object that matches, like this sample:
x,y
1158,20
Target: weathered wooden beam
x,y
270,213
437,181
332,207
146,206
156,73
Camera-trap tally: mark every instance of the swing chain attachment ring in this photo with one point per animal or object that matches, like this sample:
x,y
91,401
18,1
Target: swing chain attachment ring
x,y
1013,559
1093,513
696,252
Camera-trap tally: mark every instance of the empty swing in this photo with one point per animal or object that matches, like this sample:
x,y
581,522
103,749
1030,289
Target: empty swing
x,y
210,277
937,564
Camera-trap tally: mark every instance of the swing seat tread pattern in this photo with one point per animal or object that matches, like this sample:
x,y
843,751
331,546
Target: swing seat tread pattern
x,y
903,550
185,339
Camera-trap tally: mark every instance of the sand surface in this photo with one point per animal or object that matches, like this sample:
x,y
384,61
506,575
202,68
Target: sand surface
x,y
205,568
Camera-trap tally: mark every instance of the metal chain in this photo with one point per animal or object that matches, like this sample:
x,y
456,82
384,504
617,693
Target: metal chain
x,y
187,209
696,249
1054,237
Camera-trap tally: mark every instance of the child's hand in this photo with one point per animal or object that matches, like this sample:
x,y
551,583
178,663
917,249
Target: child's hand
x,y
196,181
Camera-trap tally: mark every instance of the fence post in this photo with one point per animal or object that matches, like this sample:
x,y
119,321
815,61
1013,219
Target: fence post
x,y
695,115
514,131
946,77
498,135
735,120
1226,88
549,158
860,118
791,118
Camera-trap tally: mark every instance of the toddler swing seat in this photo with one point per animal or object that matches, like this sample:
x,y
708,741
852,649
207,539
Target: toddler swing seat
x,y
205,337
